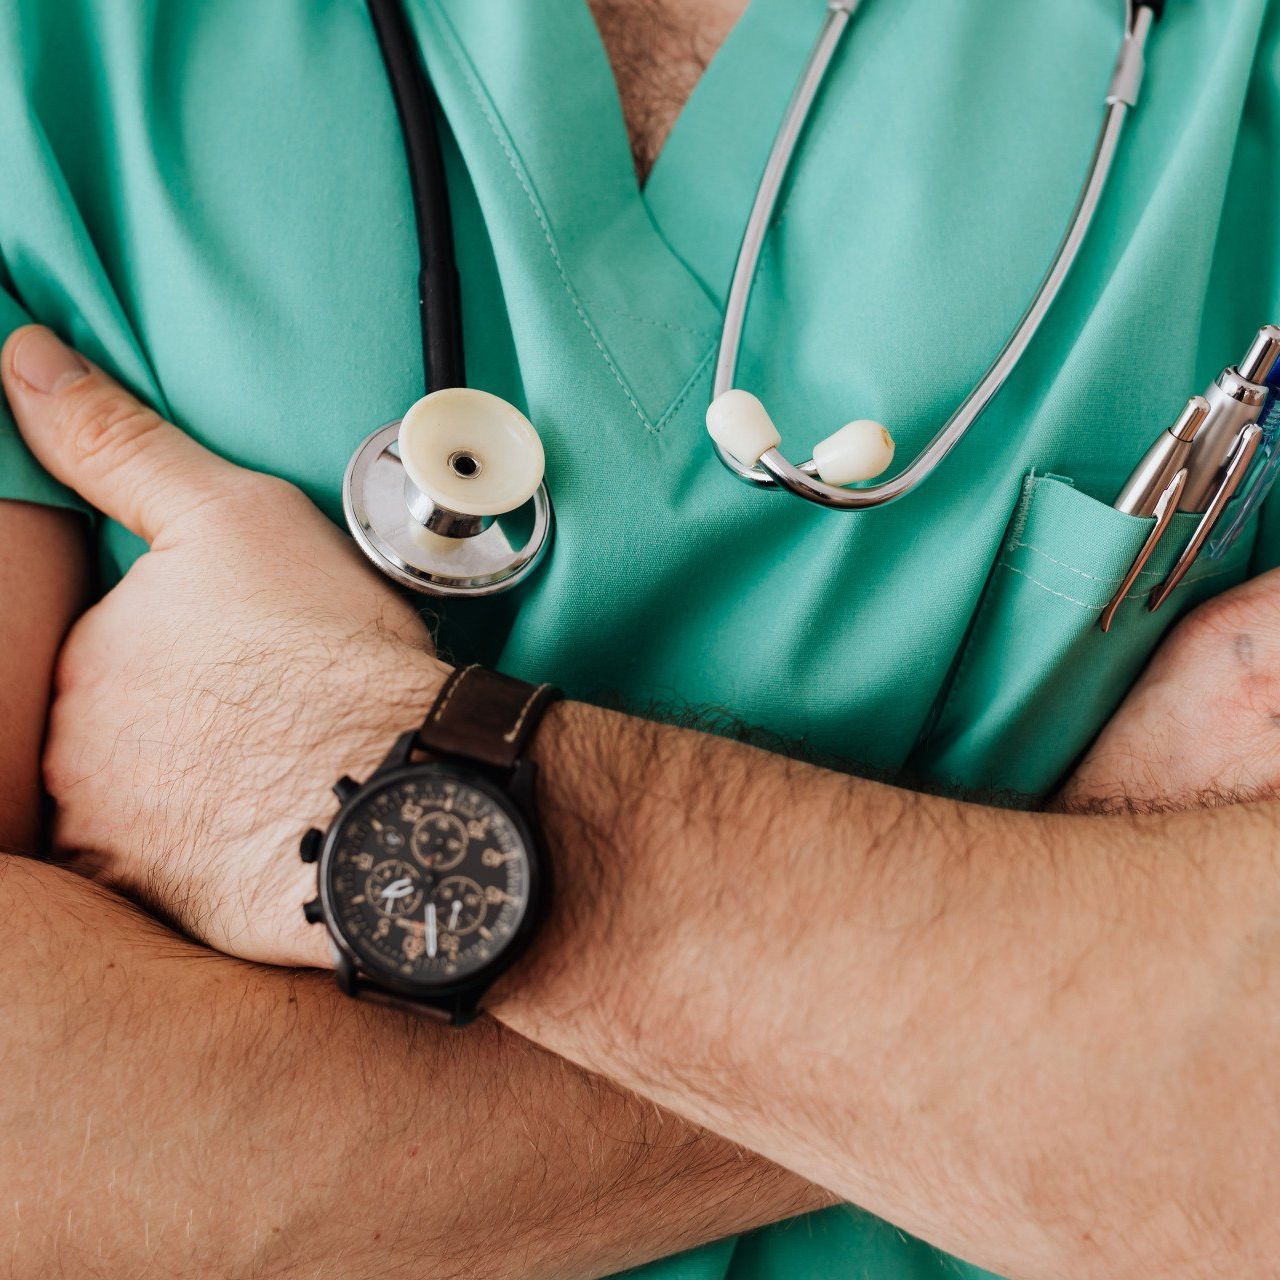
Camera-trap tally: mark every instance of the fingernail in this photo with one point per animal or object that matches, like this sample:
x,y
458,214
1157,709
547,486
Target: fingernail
x,y
45,364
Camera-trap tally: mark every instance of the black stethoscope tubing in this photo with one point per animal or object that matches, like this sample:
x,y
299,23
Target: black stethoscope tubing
x,y
439,295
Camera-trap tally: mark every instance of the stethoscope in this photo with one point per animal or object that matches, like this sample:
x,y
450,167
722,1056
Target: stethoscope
x,y
450,499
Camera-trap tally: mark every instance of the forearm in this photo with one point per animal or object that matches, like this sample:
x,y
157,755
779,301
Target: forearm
x,y
1045,1043
41,585
167,1109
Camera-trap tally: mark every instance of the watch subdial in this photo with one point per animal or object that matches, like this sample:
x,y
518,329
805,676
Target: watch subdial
x,y
460,905
394,888
439,840
391,838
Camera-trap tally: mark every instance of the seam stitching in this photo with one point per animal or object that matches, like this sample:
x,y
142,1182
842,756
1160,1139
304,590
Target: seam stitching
x,y
514,731
694,378
657,324
1017,545
1093,607
471,77
448,697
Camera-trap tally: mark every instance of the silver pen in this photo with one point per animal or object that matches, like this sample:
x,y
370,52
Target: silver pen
x,y
1161,463
1199,464
1236,400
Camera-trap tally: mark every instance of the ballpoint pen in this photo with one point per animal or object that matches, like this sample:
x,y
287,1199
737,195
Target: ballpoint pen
x,y
1236,399
1155,488
1200,463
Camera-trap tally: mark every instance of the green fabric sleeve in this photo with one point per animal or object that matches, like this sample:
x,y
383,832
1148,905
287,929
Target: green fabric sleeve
x,y
22,478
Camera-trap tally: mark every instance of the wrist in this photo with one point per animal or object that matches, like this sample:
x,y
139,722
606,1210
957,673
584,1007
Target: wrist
x,y
432,879
588,799
384,689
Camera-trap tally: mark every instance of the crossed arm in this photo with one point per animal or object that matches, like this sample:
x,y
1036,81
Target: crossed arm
x,y
1042,1041
170,1111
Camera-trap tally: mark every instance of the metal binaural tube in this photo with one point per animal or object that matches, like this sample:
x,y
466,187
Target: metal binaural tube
x,y
775,470
775,171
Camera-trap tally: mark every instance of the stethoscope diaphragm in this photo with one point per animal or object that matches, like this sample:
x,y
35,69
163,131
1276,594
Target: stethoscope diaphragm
x,y
449,500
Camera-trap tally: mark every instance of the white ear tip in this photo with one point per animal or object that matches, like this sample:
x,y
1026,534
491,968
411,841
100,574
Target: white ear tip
x,y
741,426
471,452
860,450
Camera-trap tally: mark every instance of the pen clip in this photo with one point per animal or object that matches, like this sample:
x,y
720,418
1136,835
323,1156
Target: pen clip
x,y
1237,469
1165,509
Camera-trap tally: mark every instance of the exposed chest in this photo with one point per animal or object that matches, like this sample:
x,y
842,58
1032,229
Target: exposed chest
x,y
658,50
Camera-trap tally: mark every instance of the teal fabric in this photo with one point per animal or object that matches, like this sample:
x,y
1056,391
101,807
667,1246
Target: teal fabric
x,y
211,201
1037,674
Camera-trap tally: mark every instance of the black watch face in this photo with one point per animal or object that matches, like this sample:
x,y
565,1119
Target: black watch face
x,y
428,878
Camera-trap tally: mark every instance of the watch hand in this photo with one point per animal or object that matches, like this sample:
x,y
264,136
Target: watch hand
x,y
455,913
431,930
401,888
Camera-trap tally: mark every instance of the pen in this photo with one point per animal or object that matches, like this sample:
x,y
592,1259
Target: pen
x,y
1236,400
1200,463
1167,456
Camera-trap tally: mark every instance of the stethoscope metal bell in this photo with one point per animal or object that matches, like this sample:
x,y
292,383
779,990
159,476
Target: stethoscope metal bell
x,y
439,500
424,497
449,500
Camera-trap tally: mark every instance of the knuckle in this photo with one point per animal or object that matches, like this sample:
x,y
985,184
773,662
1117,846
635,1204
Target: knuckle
x,y
268,488
109,431
69,673
79,662
265,495
58,767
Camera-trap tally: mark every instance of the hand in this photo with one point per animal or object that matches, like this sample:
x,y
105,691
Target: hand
x,y
205,705
1202,725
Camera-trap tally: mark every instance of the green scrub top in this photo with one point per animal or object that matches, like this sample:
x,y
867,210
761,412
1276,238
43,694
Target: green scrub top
x,y
211,201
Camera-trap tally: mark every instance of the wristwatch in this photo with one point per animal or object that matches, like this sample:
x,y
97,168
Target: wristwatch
x,y
432,877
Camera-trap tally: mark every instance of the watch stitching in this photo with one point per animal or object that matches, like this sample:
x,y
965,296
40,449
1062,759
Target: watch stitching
x,y
514,731
448,697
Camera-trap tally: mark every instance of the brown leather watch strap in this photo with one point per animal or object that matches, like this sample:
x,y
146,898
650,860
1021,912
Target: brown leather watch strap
x,y
486,717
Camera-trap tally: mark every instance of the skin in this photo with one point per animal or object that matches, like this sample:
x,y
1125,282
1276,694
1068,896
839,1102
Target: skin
x,y
227,1126
592,1179
42,564
1069,1160
658,50
1008,980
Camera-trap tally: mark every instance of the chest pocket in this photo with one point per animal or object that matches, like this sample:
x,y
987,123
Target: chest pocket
x,y
1037,677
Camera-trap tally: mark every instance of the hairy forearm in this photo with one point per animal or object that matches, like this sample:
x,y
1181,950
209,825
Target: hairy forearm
x,y
1044,1042
168,1110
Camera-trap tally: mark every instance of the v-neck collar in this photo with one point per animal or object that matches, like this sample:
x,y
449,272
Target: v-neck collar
x,y
720,141
646,267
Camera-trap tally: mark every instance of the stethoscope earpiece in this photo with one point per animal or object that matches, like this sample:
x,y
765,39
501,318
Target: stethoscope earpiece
x,y
742,427
746,439
424,497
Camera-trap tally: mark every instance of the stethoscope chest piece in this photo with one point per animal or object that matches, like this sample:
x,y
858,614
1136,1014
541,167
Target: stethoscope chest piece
x,y
449,500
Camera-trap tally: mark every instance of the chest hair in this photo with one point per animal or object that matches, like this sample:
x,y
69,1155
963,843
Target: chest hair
x,y
659,49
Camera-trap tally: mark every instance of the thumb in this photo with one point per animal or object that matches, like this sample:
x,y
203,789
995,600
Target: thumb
x,y
90,433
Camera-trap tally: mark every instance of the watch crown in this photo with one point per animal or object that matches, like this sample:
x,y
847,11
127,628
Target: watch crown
x,y
311,911
345,788
309,849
